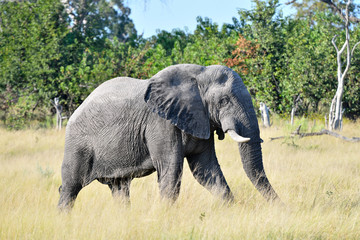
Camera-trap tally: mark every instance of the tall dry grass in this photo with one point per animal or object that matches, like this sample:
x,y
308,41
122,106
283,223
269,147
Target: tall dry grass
x,y
318,179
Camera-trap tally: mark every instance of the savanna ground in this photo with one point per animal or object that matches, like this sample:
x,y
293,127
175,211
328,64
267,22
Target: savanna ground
x,y
318,178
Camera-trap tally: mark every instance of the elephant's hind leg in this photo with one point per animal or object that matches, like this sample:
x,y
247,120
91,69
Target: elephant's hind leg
x,y
75,170
68,194
120,189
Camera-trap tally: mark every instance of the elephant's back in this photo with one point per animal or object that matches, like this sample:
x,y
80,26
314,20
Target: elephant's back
x,y
111,97
121,89
121,86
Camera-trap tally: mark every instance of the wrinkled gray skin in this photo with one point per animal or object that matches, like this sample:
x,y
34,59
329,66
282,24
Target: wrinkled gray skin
x,y
130,128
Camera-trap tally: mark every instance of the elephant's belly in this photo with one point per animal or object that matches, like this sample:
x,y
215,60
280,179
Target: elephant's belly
x,y
145,168
124,168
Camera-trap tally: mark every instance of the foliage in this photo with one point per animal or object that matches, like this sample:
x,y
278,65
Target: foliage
x,y
307,46
208,45
351,97
306,9
263,27
168,39
98,20
244,51
53,48
95,47
30,51
287,62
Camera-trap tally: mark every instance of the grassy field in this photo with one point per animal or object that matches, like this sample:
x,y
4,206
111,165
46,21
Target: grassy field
x,y
318,178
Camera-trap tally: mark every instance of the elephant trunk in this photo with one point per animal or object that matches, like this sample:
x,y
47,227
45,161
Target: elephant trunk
x,y
241,124
251,157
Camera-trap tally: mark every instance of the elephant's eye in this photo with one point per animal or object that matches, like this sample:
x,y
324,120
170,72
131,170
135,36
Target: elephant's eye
x,y
224,101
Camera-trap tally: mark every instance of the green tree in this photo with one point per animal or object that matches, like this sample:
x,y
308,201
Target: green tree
x,y
209,44
100,19
263,27
95,27
167,39
29,45
309,67
306,9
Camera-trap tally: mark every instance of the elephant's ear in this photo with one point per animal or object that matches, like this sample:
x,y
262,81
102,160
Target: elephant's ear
x,y
174,95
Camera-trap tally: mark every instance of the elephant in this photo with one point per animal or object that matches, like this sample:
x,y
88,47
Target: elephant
x,y
129,128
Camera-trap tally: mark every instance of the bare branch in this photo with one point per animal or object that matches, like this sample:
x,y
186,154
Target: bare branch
x,y
297,131
334,43
276,138
290,2
352,51
347,41
338,11
334,134
322,132
347,14
334,8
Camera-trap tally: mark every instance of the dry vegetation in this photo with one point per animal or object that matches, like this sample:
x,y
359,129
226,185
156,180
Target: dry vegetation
x,y
318,179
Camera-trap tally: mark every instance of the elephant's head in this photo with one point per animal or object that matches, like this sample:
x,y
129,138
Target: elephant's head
x,y
199,100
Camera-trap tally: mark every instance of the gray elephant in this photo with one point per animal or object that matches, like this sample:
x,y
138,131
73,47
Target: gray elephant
x,y
129,128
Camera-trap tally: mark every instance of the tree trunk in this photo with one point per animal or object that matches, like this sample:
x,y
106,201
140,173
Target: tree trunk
x,y
297,101
265,114
292,116
58,109
336,111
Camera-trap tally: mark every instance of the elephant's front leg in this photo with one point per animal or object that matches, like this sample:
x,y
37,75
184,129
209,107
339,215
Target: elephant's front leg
x,y
168,160
206,170
169,178
169,171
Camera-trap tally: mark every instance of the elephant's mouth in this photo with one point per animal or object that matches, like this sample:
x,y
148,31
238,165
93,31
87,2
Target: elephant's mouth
x,y
236,137
231,127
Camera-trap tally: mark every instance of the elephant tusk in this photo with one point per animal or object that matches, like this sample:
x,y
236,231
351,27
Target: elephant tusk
x,y
236,137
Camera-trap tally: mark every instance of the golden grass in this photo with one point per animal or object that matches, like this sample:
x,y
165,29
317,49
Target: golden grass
x,y
318,178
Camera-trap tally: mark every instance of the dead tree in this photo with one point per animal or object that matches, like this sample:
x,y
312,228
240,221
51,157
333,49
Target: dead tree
x,y
334,8
265,117
295,107
58,109
298,134
336,110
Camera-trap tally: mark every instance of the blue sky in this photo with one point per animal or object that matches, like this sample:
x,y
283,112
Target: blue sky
x,y
149,15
